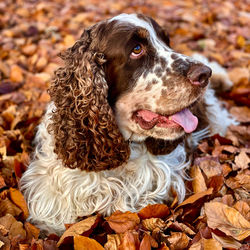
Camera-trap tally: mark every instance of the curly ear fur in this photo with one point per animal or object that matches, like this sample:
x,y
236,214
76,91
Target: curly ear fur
x,y
83,125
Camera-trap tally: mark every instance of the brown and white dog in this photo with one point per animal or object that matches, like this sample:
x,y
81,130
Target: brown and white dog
x,y
124,111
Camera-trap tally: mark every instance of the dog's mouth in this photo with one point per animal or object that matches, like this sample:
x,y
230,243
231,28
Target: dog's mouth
x,y
183,118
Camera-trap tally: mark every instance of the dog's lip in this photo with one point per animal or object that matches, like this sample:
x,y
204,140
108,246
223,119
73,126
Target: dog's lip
x,y
159,119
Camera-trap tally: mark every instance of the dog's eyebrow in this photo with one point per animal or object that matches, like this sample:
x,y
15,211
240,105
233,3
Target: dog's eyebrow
x,y
143,33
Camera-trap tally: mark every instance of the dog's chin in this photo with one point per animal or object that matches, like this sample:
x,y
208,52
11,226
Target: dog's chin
x,y
169,134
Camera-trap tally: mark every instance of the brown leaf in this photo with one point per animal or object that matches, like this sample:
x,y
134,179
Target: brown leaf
x,y
17,229
85,243
227,219
79,228
145,243
226,242
114,241
16,74
7,207
154,211
240,180
242,114
216,182
195,197
32,231
152,223
178,240
17,197
210,166
121,222
130,241
198,182
243,208
242,160
206,244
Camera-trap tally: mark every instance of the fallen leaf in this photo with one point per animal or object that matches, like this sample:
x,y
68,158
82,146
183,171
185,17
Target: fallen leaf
x,y
16,74
178,240
79,228
85,243
206,244
241,114
121,222
130,241
227,219
154,211
17,197
241,180
114,241
226,242
242,160
243,208
32,231
152,223
145,243
195,197
198,183
17,229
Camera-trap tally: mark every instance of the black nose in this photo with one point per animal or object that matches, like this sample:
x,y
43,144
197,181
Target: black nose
x,y
199,74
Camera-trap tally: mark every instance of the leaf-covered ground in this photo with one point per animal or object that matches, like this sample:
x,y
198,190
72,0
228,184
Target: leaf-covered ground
x,y
216,213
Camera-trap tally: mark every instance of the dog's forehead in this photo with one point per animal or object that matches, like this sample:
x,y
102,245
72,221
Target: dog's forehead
x,y
141,21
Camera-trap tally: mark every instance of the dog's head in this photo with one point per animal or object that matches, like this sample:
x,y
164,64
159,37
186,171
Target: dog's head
x,y
122,82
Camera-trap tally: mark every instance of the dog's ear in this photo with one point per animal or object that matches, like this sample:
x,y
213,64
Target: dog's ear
x,y
83,124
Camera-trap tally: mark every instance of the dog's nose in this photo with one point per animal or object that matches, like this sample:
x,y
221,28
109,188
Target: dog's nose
x,y
199,74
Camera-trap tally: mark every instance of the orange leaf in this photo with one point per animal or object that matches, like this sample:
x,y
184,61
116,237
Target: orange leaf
x,y
79,228
130,241
227,219
145,243
17,197
85,243
195,197
121,222
32,231
154,211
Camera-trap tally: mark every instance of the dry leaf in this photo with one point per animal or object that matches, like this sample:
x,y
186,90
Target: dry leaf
x,y
17,229
210,166
16,74
145,243
242,114
226,242
243,208
198,182
32,231
152,223
85,243
130,241
227,219
242,160
195,197
121,222
154,211
206,244
79,228
7,207
17,197
178,240
114,241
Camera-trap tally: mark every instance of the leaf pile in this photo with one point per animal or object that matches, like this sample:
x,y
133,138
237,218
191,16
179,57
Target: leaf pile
x,y
215,214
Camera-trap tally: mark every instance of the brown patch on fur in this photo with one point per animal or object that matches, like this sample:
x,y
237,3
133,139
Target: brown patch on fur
x,y
143,33
149,87
158,71
84,128
161,147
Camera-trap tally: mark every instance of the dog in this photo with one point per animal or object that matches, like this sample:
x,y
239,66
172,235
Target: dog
x,y
126,110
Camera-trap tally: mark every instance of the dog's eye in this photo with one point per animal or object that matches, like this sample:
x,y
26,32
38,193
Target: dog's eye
x,y
137,51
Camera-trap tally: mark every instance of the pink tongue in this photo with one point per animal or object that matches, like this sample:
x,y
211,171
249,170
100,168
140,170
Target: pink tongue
x,y
185,119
